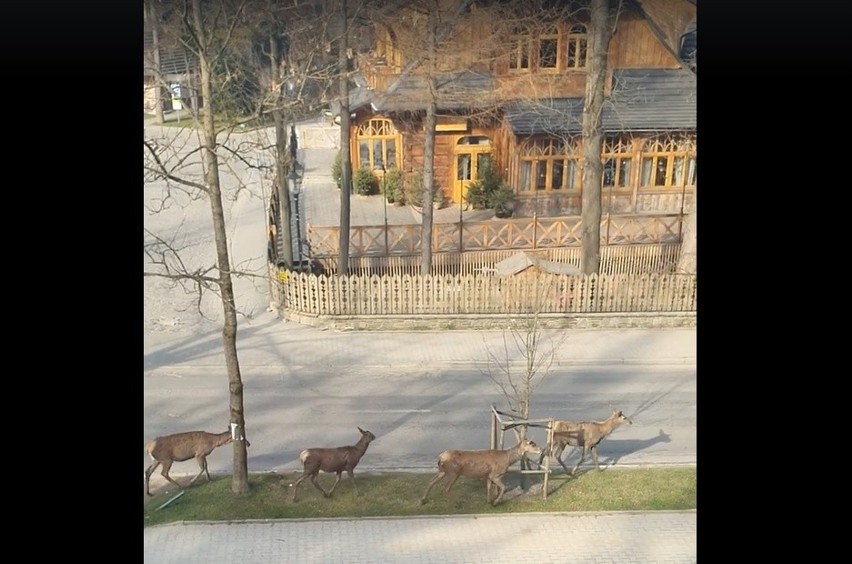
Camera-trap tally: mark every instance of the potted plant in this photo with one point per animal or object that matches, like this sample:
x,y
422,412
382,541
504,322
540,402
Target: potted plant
x,y
391,186
365,182
501,201
437,198
413,189
475,195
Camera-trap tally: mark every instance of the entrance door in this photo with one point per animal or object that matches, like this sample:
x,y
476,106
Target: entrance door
x,y
469,154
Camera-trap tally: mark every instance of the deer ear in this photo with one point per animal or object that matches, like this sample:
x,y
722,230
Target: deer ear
x,y
361,430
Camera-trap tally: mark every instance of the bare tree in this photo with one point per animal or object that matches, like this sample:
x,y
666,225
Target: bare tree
x,y
431,122
345,163
601,28
527,353
205,31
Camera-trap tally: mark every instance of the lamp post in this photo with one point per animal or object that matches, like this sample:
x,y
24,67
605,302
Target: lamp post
x,y
294,181
385,207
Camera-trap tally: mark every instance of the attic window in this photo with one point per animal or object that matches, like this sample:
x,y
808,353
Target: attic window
x,y
577,52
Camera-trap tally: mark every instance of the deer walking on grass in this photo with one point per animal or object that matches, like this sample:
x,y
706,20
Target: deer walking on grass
x,y
490,465
337,460
585,435
179,447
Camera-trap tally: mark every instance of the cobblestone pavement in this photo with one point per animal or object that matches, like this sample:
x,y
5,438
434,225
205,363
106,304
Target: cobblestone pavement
x,y
618,537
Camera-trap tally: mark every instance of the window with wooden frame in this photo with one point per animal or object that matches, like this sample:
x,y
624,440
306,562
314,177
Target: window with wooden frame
x,y
534,50
548,50
521,42
577,47
378,145
550,165
667,162
616,156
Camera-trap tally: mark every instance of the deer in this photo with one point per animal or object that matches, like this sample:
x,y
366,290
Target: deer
x,y
336,460
490,465
179,447
585,435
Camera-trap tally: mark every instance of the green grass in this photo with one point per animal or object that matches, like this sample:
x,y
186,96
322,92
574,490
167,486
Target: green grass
x,y
398,494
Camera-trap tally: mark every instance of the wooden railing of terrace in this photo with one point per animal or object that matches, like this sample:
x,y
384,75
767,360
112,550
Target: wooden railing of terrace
x,y
516,234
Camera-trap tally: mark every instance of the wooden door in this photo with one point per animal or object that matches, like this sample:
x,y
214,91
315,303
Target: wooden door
x,y
469,153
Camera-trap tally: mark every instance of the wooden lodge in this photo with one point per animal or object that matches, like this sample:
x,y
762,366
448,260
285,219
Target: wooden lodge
x,y
511,91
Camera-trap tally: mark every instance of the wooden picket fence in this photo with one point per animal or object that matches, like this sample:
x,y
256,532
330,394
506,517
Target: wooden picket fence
x,y
405,294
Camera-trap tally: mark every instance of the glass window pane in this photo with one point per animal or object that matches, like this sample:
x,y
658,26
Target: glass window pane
x,y
524,176
608,172
483,160
390,146
364,154
677,171
660,179
547,54
540,175
570,173
623,172
556,180
646,172
690,177
463,167
378,161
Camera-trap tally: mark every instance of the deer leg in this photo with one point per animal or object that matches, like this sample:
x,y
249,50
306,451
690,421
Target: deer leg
x,y
452,481
432,482
148,473
354,484
202,463
167,465
557,454
559,459
594,450
582,456
501,490
296,485
334,485
317,486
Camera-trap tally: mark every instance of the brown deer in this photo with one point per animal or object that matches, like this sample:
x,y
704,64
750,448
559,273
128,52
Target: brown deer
x,y
337,460
179,447
490,465
585,435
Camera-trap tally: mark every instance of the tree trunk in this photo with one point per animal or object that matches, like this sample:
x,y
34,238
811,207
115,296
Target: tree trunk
x,y
281,164
229,331
158,75
428,188
590,231
345,162
687,263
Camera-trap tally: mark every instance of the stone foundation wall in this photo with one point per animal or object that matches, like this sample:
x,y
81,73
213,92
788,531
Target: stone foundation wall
x,y
491,322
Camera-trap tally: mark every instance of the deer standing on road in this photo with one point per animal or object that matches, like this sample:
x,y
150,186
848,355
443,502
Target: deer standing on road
x,y
337,460
490,465
585,435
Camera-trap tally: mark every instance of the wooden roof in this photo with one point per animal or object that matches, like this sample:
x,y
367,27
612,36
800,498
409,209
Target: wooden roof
x,y
641,100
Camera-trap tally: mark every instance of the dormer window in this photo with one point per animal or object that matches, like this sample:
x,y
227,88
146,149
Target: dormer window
x,y
577,51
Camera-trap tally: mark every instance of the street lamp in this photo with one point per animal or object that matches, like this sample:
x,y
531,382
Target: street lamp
x,y
294,182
